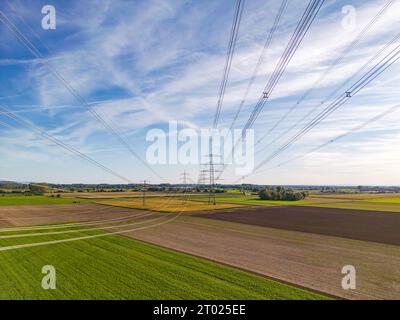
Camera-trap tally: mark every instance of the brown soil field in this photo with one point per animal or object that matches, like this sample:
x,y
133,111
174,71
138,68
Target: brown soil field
x,y
46,214
307,260
116,195
383,227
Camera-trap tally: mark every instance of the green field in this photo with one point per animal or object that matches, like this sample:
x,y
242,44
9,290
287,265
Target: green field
x,y
115,267
8,200
373,203
256,200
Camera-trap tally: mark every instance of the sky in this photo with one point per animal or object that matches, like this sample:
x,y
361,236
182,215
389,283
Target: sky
x,y
143,63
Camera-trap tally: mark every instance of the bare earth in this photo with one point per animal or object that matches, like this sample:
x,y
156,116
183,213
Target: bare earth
x,y
46,214
364,225
304,259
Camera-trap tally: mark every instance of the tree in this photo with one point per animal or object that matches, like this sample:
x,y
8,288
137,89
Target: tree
x,y
37,189
281,193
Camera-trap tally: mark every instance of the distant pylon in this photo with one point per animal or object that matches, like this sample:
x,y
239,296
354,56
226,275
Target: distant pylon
x,y
210,171
145,182
184,180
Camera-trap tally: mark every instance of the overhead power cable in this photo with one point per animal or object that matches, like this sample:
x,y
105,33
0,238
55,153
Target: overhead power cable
x,y
337,90
301,30
356,41
267,44
298,35
225,76
31,47
228,61
339,137
388,60
61,144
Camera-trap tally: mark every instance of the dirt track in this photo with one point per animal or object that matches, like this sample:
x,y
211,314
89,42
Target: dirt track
x,y
383,227
45,214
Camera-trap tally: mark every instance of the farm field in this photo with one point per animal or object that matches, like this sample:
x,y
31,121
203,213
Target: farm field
x,y
114,267
116,195
13,200
162,204
387,203
57,214
295,246
363,205
352,224
255,200
305,259
358,196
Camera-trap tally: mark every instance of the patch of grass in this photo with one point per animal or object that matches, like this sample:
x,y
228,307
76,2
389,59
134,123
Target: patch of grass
x,y
8,200
358,196
386,200
115,267
167,204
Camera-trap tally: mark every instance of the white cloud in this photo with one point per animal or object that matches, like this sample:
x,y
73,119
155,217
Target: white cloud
x,y
161,61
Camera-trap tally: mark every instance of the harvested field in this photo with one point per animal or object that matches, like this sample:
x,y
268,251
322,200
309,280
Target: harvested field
x,y
100,195
46,214
387,203
135,270
373,226
169,205
308,260
309,201
358,196
113,267
382,205
117,195
13,200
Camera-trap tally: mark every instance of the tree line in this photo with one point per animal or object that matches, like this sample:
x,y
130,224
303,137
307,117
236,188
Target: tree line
x,y
280,193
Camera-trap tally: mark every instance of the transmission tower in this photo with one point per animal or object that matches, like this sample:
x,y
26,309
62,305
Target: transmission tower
x,y
184,178
144,184
211,171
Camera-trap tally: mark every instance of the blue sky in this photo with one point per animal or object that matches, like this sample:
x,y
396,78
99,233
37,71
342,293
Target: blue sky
x,y
141,64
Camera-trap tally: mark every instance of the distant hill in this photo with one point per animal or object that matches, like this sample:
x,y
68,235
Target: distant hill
x,y
4,184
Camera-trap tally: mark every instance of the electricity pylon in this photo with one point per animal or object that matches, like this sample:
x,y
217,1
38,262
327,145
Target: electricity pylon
x,y
210,170
145,182
184,177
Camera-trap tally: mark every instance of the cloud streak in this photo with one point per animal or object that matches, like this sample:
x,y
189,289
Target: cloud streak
x,y
156,61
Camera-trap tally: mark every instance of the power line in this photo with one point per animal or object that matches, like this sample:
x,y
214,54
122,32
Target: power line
x,y
361,35
267,43
31,47
298,35
11,6
368,77
225,76
301,30
229,56
339,137
340,88
63,145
